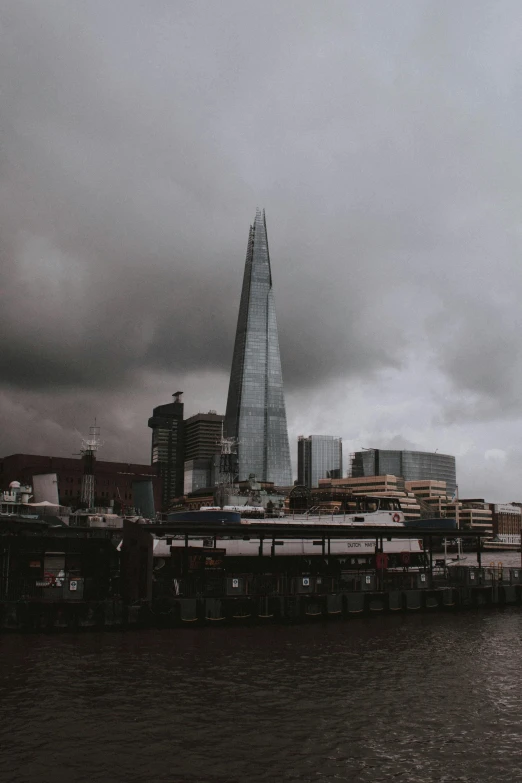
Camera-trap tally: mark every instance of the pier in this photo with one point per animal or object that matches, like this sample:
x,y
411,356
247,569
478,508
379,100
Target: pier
x,y
55,578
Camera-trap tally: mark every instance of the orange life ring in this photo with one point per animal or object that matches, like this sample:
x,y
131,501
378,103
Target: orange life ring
x,y
50,578
396,518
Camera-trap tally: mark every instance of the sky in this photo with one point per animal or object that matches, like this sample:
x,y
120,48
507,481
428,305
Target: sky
x,y
382,139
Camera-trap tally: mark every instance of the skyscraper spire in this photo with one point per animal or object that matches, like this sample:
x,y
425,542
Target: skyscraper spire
x,y
256,413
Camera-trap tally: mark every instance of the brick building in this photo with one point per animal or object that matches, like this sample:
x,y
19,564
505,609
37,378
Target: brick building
x,y
507,521
113,480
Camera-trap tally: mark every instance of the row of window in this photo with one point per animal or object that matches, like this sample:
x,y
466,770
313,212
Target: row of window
x,y
99,482
71,493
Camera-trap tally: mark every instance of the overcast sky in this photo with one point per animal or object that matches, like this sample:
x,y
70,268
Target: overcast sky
x,y
383,140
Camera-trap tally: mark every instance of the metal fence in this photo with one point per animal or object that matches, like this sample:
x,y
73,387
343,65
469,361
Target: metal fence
x,y
21,588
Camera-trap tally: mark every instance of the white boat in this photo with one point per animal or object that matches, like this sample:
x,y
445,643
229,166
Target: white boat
x,y
254,546
372,511
375,512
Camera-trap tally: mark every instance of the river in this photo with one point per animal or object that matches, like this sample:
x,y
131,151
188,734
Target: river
x,y
392,698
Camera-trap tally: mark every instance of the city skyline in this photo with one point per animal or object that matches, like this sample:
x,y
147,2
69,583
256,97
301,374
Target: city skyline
x,y
388,157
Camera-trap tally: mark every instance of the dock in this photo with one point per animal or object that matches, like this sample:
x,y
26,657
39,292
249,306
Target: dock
x,y
105,579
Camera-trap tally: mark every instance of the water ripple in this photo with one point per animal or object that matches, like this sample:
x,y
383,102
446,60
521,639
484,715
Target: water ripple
x,y
431,698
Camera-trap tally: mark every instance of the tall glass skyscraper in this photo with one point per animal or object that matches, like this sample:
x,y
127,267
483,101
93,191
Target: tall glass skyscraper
x,y
319,457
256,413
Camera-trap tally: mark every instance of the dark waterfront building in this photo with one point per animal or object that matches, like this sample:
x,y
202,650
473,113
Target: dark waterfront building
x,y
410,465
183,451
113,480
319,457
256,413
167,450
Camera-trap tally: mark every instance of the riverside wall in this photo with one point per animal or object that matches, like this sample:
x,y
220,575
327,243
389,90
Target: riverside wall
x,y
305,599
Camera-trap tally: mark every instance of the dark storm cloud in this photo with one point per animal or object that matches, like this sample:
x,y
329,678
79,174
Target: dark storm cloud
x,y
127,204
138,138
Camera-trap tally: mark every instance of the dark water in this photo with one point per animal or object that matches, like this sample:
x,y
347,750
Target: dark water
x,y
413,698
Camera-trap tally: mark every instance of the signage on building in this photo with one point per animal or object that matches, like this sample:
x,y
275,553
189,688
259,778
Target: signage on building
x,y
507,508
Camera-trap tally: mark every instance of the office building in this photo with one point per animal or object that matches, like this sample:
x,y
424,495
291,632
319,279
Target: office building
x,y
372,486
256,414
319,457
432,497
167,448
475,514
410,465
428,489
202,434
184,451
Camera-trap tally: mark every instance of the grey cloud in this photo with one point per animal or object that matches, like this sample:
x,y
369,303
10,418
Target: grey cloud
x,y
478,348
137,140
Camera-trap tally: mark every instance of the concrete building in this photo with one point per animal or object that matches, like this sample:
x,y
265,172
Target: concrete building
x,y
202,433
256,414
431,495
318,457
474,514
410,465
428,489
387,485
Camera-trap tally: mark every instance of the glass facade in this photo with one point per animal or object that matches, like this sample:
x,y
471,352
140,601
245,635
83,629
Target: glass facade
x,y
166,424
256,413
197,475
411,465
318,457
